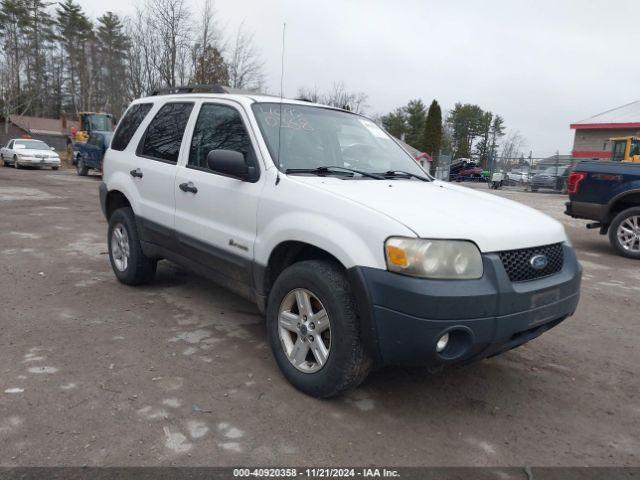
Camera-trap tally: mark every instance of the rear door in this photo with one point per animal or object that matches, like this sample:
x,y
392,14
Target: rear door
x,y
154,170
216,225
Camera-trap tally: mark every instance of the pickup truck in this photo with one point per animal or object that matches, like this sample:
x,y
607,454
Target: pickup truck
x,y
88,155
609,194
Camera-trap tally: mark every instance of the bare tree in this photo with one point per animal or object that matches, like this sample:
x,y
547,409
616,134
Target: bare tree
x,y
142,56
513,145
337,96
246,68
170,20
208,63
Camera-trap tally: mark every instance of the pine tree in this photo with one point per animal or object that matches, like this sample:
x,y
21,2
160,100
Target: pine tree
x,y
38,36
210,67
75,31
432,140
416,116
395,122
112,46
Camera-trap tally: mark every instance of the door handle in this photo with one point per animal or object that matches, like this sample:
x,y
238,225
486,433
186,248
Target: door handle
x,y
188,187
136,173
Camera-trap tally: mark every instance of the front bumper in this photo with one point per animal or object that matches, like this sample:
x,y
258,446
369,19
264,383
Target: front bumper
x,y
403,317
39,162
551,183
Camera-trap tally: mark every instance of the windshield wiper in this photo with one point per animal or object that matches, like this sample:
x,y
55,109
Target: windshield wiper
x,y
403,174
332,170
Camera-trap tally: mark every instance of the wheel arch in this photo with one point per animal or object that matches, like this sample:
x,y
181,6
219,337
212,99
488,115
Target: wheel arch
x,y
115,199
287,253
621,202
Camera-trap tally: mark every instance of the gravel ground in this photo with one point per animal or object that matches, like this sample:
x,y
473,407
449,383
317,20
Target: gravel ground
x,y
178,372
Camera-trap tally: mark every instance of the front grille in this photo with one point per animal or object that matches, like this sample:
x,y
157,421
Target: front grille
x,y
517,263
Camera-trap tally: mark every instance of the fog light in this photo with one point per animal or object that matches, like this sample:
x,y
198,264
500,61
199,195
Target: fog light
x,y
443,341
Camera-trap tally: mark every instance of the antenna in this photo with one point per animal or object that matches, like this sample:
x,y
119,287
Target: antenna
x,y
284,29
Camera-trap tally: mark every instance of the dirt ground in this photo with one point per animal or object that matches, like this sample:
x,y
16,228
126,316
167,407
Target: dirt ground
x,y
178,373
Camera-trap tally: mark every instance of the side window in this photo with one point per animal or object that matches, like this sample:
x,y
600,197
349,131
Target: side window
x,y
164,134
219,127
10,144
129,124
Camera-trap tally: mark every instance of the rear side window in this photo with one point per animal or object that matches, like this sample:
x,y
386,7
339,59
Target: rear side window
x,y
129,124
163,137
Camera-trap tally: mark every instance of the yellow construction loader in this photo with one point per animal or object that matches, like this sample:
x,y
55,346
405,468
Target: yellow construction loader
x,y
626,149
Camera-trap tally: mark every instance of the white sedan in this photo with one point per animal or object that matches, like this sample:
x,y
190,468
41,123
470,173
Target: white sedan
x,y
21,152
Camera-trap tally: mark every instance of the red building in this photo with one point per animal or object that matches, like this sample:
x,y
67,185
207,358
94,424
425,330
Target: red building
x,y
593,134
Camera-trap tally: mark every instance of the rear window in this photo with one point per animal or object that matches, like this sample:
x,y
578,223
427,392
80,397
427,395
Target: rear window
x,y
129,124
163,137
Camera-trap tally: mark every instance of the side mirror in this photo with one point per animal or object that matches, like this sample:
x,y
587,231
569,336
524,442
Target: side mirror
x,y
230,163
51,148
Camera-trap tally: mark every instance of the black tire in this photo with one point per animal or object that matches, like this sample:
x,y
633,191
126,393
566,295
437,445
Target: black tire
x,y
55,168
81,169
348,363
613,232
140,269
534,189
15,163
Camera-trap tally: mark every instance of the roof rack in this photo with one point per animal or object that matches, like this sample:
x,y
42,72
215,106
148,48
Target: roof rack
x,y
201,88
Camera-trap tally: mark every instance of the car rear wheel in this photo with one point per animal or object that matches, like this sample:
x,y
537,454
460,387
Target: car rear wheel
x,y
314,329
624,233
129,263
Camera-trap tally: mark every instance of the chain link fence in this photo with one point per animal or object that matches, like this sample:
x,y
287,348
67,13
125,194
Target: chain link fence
x,y
523,173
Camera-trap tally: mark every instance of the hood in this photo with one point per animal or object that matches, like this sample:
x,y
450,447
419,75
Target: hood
x,y
442,210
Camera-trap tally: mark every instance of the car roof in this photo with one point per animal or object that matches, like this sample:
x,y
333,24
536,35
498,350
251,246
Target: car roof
x,y
244,99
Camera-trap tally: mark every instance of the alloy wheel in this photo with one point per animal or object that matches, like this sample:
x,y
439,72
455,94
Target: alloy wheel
x,y
120,247
304,330
629,234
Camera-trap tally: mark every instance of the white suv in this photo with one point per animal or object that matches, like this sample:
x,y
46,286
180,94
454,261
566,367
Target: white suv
x,y
357,257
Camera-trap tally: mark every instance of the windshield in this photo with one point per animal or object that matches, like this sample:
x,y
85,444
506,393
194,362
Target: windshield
x,y
33,144
553,170
98,122
314,137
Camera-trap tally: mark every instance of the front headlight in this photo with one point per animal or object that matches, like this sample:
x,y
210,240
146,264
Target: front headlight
x,y
442,259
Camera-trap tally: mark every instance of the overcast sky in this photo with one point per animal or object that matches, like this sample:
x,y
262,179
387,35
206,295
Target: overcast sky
x,y
539,64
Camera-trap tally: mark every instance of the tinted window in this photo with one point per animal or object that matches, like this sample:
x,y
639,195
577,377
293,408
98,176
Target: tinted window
x,y
164,135
219,127
129,124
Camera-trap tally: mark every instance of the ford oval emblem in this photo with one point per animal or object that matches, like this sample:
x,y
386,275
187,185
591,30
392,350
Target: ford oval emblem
x,y
538,262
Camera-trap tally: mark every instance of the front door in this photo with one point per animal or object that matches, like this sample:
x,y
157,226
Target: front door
x,y
215,218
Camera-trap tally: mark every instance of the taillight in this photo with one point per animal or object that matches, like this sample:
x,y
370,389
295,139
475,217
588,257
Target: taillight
x,y
575,179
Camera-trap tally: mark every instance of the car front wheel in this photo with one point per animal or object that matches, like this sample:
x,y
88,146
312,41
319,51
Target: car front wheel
x,y
314,329
129,263
624,233
81,168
